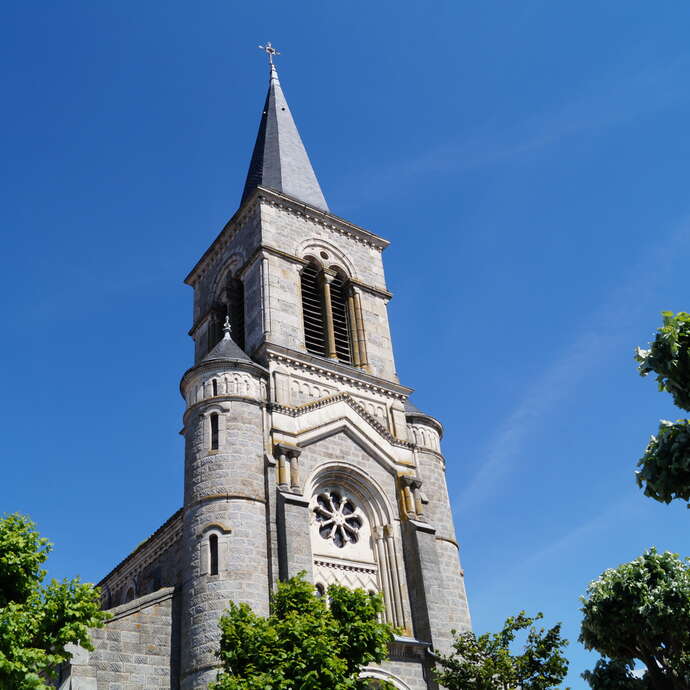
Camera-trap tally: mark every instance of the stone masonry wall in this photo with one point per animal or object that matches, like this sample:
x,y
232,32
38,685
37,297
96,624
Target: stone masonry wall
x,y
299,235
132,651
445,583
225,496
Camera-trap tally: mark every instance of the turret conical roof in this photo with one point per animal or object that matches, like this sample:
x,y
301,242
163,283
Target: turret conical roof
x,y
227,349
279,160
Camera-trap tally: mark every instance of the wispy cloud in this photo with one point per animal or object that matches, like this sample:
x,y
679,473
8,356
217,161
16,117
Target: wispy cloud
x,y
610,100
576,540
593,341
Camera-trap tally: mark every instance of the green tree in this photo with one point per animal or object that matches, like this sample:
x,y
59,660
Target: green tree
x,y
665,465
485,662
37,621
306,643
669,357
615,675
641,611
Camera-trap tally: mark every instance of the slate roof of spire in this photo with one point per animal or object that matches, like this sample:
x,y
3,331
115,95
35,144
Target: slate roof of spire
x,y
227,348
279,160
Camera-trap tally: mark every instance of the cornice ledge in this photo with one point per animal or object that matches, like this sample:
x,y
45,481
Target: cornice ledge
x,y
140,603
334,370
329,220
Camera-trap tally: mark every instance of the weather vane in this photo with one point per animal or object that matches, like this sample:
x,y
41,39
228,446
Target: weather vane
x,y
270,51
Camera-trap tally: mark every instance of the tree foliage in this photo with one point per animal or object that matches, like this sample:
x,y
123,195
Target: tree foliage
x,y
669,357
665,465
641,610
306,643
485,662
37,621
615,675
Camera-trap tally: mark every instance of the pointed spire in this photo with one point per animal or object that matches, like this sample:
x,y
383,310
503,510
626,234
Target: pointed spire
x,y
279,160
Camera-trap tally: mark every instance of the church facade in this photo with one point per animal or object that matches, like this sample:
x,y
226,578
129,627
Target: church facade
x,y
303,451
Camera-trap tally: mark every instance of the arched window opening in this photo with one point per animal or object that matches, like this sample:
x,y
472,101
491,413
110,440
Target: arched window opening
x,y
235,302
331,325
214,431
215,387
230,303
352,521
312,309
341,321
213,554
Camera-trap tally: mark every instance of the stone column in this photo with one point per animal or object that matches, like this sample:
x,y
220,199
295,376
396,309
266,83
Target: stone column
x,y
361,340
399,616
328,316
354,336
294,470
283,471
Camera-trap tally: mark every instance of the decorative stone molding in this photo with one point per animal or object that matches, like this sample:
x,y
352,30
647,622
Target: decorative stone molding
x,y
232,384
214,526
322,218
347,398
425,436
334,256
338,374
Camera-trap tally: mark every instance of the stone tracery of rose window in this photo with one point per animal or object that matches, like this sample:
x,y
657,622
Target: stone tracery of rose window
x,y
339,519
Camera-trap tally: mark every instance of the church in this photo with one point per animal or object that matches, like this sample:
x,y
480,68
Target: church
x,y
303,451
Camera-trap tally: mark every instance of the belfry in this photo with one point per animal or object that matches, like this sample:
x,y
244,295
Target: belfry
x,y
303,451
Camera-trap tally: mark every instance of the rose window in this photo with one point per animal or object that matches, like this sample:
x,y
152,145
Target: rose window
x,y
338,518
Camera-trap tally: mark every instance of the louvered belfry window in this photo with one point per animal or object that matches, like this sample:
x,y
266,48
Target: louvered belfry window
x,y
313,312
326,333
341,326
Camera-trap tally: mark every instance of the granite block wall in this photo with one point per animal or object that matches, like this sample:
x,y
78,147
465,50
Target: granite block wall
x,y
133,651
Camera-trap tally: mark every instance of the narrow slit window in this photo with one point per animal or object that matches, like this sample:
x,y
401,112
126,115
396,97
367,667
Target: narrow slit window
x,y
214,431
215,387
213,554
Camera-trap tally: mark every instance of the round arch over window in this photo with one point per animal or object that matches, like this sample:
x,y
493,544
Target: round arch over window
x,y
353,535
332,315
228,302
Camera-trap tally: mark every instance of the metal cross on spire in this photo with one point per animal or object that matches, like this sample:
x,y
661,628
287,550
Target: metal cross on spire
x,y
270,51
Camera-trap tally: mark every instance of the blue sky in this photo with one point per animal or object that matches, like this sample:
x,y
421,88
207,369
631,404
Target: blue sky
x,y
529,162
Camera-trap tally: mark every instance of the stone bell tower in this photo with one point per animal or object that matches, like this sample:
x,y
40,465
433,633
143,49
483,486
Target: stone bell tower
x,y
303,451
